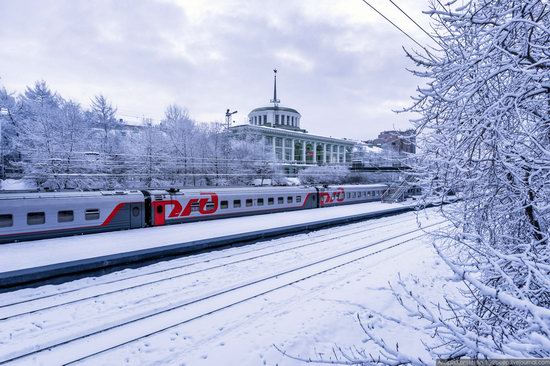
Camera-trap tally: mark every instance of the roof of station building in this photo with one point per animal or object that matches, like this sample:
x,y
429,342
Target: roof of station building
x,y
272,108
300,134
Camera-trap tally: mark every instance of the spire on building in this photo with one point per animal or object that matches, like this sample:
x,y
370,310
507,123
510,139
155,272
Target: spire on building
x,y
275,101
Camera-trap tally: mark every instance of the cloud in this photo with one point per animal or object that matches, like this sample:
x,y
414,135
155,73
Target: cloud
x,y
339,64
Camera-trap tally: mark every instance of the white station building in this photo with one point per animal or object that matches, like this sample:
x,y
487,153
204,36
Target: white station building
x,y
292,146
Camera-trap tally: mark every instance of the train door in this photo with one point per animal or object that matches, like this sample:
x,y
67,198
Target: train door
x,y
136,215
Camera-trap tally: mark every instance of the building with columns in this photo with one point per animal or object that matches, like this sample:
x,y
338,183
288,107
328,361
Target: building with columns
x,y
279,128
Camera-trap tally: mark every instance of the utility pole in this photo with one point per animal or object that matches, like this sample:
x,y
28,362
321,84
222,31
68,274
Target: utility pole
x,y
229,118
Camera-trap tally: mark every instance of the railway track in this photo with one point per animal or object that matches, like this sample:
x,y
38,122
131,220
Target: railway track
x,y
111,335
59,298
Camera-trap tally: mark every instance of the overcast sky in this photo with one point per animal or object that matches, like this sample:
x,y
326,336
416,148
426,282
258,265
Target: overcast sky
x,y
340,64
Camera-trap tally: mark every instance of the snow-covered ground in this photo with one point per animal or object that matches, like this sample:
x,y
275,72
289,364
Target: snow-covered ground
x,y
16,184
301,294
38,253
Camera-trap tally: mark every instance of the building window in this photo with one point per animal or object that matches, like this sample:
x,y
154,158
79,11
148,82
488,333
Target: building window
x,y
66,216
287,120
276,119
224,204
270,201
265,119
36,218
6,220
236,203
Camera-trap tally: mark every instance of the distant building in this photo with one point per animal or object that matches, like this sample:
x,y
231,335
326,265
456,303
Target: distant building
x,y
279,128
401,142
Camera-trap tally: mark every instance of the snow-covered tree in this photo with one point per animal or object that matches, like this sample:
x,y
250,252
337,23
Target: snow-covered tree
x,y
104,121
8,132
330,174
180,131
484,132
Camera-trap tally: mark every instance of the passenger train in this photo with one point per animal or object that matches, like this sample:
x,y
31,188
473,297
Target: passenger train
x,y
40,214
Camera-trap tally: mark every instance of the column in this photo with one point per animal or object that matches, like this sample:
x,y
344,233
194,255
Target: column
x,y
293,157
273,145
315,152
341,152
324,153
304,151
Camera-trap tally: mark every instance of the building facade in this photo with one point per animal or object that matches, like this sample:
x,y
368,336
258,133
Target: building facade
x,y
401,142
291,145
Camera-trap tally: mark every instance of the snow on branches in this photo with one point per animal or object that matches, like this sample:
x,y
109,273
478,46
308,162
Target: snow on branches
x,y
484,133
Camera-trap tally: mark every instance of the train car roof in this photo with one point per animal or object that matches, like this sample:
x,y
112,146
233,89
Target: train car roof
x,y
251,189
9,195
364,186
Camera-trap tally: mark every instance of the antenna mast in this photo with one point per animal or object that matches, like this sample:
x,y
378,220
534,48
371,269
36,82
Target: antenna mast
x,y
275,101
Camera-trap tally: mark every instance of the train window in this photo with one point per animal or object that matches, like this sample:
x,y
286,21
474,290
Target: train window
x,y
298,199
333,195
6,220
342,196
354,195
289,199
280,200
159,209
349,194
135,211
270,201
236,203
92,214
224,204
260,201
36,218
65,216
209,206
249,202
195,207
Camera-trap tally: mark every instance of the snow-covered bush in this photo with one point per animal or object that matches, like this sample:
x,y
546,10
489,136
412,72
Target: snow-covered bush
x,y
323,174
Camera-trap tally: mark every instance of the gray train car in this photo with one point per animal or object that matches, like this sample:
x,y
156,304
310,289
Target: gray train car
x,y
40,215
350,194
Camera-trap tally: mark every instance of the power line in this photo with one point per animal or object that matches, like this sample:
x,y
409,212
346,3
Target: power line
x,y
392,23
412,20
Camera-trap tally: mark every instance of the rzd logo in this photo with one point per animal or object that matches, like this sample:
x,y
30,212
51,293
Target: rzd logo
x,y
337,196
206,206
